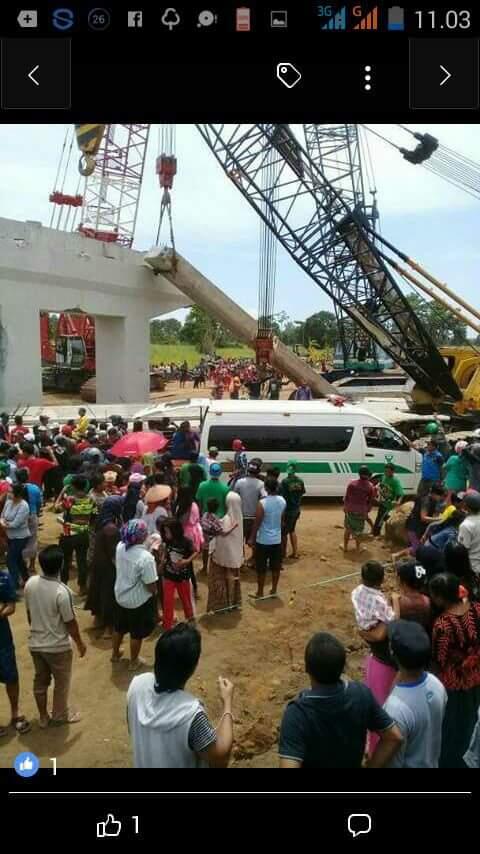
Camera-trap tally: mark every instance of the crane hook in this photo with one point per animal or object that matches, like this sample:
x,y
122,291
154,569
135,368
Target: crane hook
x,y
86,165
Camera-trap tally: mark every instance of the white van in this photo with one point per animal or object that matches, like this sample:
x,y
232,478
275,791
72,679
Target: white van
x,y
330,443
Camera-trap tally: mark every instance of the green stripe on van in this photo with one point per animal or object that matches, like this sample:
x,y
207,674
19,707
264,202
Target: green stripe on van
x,y
337,468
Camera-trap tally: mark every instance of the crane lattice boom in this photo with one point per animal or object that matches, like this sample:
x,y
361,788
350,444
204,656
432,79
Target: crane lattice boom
x,y
329,242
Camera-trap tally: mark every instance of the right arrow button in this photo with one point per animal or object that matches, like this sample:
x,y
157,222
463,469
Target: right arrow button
x,y
447,75
444,74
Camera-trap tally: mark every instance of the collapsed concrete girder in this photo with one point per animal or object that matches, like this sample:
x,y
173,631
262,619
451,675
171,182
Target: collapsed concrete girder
x,y
208,296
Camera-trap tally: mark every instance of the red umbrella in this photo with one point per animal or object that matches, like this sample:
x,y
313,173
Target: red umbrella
x,y
137,444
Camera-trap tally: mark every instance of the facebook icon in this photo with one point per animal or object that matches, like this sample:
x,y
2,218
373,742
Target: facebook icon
x,y
135,19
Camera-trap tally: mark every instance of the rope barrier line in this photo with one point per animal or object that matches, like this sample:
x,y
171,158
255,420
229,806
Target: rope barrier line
x,y
292,592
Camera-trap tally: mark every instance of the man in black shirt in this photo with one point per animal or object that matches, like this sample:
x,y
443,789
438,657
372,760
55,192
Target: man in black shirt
x,y
4,429
326,726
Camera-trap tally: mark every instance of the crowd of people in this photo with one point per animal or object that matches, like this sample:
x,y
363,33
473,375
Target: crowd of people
x,y
237,379
142,527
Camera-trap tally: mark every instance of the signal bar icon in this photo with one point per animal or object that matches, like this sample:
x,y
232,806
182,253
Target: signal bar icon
x,y
369,22
338,21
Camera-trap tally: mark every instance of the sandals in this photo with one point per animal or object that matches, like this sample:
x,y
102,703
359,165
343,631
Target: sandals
x,y
21,725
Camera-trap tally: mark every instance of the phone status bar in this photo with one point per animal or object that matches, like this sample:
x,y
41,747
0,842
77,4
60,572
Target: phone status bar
x,y
329,18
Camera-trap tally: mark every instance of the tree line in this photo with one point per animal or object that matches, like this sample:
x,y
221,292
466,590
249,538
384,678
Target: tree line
x,y
206,334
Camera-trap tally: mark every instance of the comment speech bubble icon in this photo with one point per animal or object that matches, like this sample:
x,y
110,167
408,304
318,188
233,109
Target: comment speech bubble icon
x,y
358,823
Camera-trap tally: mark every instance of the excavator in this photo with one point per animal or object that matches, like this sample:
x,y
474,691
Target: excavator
x,y
338,248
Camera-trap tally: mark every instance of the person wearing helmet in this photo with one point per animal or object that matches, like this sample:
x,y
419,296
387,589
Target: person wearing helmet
x,y
469,531
432,464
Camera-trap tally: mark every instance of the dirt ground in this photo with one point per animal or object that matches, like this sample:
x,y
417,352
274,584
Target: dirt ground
x,y
171,392
259,648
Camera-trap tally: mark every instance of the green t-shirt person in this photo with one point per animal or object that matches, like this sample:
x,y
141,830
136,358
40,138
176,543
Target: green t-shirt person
x,y
292,488
213,488
390,489
456,473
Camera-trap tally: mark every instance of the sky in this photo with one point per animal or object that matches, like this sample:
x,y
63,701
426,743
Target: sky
x,y
215,228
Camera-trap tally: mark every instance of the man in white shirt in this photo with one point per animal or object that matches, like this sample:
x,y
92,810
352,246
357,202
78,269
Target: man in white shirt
x,y
52,622
469,531
135,588
418,700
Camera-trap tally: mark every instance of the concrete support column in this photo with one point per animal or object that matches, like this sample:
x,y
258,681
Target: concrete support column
x,y
20,354
122,358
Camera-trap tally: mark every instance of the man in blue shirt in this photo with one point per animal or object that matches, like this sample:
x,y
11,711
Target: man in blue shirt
x,y
8,663
431,468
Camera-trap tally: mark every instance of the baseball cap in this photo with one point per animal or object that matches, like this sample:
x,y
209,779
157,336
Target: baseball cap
x,y
292,465
136,477
409,643
213,450
472,500
215,470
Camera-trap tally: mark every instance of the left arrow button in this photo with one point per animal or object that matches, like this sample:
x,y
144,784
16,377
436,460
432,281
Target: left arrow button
x,y
31,75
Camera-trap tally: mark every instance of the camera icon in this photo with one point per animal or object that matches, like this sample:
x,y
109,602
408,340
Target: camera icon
x,y
288,74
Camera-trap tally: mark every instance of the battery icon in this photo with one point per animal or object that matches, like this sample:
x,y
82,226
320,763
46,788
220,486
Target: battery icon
x,y
396,18
243,20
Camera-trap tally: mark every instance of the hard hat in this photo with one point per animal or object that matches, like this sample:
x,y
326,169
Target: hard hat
x,y
431,428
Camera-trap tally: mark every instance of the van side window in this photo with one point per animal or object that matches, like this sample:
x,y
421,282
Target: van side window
x,y
283,438
377,437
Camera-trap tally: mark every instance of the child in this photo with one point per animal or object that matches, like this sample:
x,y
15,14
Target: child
x,y
211,527
369,603
177,571
372,613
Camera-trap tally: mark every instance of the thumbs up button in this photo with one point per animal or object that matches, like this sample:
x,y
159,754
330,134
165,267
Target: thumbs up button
x,y
26,764
109,827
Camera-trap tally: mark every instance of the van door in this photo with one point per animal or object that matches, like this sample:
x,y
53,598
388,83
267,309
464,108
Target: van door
x,y
383,445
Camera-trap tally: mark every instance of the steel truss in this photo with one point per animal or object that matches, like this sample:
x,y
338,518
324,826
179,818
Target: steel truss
x,y
328,240
336,151
112,192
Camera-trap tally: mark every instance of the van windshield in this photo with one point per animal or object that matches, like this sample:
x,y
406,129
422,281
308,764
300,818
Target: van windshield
x,y
289,439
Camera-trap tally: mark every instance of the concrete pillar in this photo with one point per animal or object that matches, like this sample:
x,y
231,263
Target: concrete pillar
x,y
20,355
122,358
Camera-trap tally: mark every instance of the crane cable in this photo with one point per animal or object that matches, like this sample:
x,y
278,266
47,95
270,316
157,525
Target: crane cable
x,y
368,160
65,171
166,167
57,176
268,248
454,168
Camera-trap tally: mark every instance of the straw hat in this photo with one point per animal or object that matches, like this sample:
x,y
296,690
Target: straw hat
x,y
159,492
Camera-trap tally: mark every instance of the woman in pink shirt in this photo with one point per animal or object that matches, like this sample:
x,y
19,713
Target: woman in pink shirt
x,y
187,512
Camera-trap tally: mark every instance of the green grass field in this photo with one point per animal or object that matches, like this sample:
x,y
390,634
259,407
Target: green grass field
x,y
179,352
